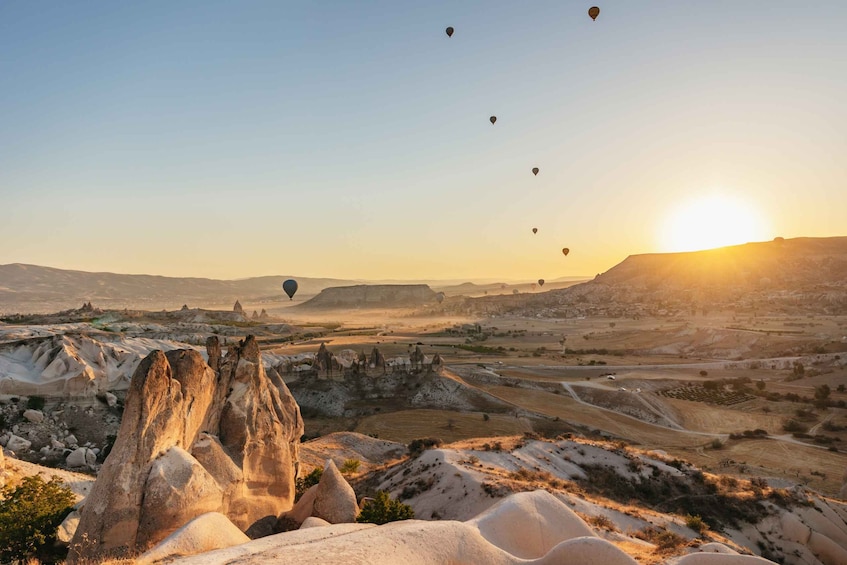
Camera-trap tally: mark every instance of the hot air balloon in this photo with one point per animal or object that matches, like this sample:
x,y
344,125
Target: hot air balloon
x,y
565,250
440,297
533,285
534,230
290,287
540,282
493,119
535,170
449,32
515,291
593,11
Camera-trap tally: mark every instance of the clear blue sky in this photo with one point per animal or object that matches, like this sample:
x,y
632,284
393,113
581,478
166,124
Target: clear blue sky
x,y
351,139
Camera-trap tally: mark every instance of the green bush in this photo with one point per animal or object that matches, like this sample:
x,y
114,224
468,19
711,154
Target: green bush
x,y
418,446
29,516
696,523
350,466
382,510
302,484
35,403
792,425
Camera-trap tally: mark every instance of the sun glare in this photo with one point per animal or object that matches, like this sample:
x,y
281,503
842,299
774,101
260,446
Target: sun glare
x,y
711,221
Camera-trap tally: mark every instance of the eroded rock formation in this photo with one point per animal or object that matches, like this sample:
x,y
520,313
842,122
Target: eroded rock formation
x,y
193,440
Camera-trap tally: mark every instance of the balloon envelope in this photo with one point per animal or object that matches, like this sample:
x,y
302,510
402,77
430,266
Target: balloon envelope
x,y
493,119
565,250
440,297
594,11
540,282
290,287
534,230
535,170
449,32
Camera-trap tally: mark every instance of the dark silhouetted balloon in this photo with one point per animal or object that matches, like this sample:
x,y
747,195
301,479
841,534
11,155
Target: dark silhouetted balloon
x,y
449,32
540,282
594,11
290,287
493,119
565,250
440,297
535,170
534,230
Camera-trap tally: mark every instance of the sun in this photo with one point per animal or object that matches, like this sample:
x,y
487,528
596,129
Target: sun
x,y
710,221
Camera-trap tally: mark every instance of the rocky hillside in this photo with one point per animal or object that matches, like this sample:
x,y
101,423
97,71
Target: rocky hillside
x,y
373,296
797,276
568,501
786,264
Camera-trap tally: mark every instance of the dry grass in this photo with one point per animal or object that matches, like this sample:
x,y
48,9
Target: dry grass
x,y
406,425
701,417
568,409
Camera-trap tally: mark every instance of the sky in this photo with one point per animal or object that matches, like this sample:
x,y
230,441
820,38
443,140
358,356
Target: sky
x,y
352,139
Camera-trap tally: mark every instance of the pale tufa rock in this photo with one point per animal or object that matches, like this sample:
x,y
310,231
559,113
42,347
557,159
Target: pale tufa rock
x,y
335,500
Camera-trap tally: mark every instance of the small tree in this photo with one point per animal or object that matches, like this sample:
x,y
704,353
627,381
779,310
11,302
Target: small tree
x,y
822,392
383,509
760,384
418,446
302,484
29,516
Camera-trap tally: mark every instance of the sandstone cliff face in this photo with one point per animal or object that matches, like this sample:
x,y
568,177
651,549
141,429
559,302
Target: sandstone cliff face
x,y
193,440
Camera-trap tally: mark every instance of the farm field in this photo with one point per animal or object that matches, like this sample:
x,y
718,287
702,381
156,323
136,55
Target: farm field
x,y
406,425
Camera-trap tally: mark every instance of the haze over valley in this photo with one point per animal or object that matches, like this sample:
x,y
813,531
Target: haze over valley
x,y
422,283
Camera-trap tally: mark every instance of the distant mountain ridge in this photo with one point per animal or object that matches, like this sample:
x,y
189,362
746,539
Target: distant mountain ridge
x,y
37,289
32,288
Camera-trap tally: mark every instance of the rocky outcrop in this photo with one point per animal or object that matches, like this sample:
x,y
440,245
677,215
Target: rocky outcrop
x,y
335,500
331,500
193,440
237,307
204,533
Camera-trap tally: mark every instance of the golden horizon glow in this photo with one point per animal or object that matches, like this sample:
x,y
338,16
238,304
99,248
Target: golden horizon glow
x,y
710,221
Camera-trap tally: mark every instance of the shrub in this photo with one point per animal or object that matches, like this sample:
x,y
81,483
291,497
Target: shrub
x,y
716,444
793,426
601,521
696,523
665,540
382,510
350,466
35,403
302,484
704,373
29,516
420,445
